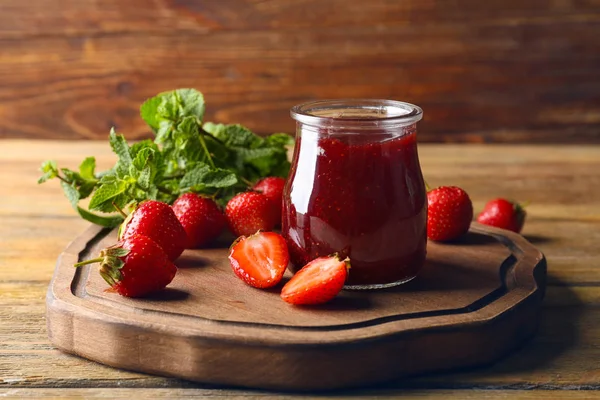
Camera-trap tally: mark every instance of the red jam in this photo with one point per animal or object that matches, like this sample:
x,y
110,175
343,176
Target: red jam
x,y
359,195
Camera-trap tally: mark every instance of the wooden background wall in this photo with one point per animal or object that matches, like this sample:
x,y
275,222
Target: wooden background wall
x,y
483,70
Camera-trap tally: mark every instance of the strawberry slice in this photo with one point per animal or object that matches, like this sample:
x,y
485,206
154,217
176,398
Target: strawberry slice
x,y
317,282
260,260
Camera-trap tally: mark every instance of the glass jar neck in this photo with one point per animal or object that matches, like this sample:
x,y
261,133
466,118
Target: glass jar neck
x,y
357,115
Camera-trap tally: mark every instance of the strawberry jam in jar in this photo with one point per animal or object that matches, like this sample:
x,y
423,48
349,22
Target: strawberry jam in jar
x,y
355,188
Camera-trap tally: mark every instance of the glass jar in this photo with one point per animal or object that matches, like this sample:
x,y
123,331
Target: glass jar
x,y
355,188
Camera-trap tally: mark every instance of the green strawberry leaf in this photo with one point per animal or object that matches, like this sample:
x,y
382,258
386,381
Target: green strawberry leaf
x,y
117,252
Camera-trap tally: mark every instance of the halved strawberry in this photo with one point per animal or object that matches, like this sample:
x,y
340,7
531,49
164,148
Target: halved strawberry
x,y
317,282
260,260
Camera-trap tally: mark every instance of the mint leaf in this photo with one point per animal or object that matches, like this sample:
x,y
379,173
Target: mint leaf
x,y
106,193
263,161
147,173
143,150
252,156
73,195
220,178
186,138
203,176
86,189
144,157
190,103
163,134
108,221
87,168
185,155
234,135
149,112
71,176
163,111
121,149
50,171
279,140
135,148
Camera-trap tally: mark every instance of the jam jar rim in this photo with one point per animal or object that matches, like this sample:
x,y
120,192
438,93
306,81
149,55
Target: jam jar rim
x,y
361,113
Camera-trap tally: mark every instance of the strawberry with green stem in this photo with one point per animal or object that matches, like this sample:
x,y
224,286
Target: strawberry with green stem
x,y
135,267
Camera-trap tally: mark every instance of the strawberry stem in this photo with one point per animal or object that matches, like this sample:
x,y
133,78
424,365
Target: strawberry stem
x,y
90,261
427,187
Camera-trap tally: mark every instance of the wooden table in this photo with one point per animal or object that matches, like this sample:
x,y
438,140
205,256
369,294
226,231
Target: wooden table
x,y
563,361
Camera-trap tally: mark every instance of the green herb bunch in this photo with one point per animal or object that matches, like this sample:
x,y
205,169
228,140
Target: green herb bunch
x,y
186,155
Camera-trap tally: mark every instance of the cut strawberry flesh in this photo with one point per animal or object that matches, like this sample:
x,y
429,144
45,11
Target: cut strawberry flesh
x,y
320,270
265,254
260,260
318,282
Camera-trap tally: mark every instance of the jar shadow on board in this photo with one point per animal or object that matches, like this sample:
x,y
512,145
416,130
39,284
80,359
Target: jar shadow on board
x,y
356,188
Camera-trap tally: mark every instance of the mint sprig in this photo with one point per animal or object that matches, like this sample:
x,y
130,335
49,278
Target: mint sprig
x,y
186,155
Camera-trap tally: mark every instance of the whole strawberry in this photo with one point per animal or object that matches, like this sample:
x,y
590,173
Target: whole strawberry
x,y
503,214
317,282
272,187
135,267
449,213
201,218
157,221
250,212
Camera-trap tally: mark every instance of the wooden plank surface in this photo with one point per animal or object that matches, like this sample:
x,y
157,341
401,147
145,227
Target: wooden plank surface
x,y
173,394
563,183
500,71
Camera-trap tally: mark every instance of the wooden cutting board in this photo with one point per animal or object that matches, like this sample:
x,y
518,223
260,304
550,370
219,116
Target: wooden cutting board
x,y
474,301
